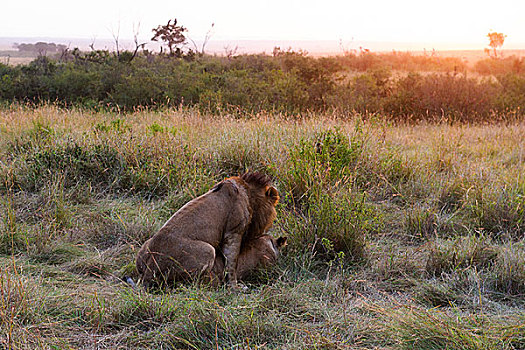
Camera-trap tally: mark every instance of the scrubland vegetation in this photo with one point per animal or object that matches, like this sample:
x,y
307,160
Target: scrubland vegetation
x,y
398,86
401,236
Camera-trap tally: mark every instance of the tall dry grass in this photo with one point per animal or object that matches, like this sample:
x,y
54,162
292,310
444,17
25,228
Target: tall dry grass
x,y
400,236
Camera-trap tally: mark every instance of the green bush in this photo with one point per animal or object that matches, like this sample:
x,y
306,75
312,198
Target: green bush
x,y
402,61
364,93
332,218
442,98
512,95
328,158
332,225
287,82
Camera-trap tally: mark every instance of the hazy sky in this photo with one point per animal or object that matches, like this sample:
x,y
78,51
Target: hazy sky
x,y
441,22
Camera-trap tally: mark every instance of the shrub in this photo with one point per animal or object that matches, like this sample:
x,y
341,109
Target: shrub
x,y
512,96
365,93
289,82
329,158
500,214
332,224
500,66
98,165
332,216
441,97
508,272
463,252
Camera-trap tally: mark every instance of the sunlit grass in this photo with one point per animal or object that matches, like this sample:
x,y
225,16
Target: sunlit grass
x,y
399,236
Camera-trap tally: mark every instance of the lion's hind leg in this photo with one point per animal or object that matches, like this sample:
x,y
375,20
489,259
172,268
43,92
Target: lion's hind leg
x,y
197,259
192,261
154,269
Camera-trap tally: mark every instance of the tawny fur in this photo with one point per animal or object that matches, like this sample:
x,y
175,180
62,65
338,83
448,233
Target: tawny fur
x,y
185,247
258,254
263,199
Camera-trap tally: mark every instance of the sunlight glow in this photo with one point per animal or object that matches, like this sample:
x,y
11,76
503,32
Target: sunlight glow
x,y
445,24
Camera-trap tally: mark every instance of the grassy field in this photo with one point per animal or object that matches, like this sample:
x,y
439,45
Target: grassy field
x,y
400,237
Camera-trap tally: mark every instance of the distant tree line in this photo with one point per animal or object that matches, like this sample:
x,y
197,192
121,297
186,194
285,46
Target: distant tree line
x,y
40,47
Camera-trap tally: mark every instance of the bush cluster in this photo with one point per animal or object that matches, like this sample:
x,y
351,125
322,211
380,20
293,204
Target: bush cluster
x,y
286,82
492,66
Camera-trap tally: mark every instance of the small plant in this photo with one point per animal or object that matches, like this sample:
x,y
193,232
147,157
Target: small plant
x,y
118,125
461,253
509,269
339,257
326,160
500,214
421,223
334,227
12,238
156,128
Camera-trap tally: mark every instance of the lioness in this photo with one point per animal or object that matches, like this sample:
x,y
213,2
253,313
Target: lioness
x,y
185,246
257,254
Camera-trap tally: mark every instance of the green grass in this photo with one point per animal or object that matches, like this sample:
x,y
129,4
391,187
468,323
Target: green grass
x,y
400,237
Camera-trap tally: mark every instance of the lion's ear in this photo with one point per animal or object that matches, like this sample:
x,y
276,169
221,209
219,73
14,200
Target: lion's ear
x,y
281,242
272,192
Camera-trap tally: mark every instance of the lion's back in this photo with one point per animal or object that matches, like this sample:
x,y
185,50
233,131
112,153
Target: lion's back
x,y
202,219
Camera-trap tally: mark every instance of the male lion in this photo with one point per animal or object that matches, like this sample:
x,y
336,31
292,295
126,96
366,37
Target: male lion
x,y
185,246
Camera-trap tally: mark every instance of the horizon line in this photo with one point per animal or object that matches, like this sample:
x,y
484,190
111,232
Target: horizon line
x,y
335,44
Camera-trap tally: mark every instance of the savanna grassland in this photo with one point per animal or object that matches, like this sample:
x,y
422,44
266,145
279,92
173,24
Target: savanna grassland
x,y
401,236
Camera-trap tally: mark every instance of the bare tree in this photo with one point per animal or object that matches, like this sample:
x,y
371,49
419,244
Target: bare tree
x,y
136,30
116,38
92,44
230,52
64,52
207,38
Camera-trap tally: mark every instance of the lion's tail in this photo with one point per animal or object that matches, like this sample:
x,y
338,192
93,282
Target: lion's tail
x,y
144,264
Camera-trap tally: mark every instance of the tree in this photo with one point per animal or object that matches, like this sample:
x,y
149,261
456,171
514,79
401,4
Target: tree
x,y
116,39
172,35
496,41
40,47
206,39
138,46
